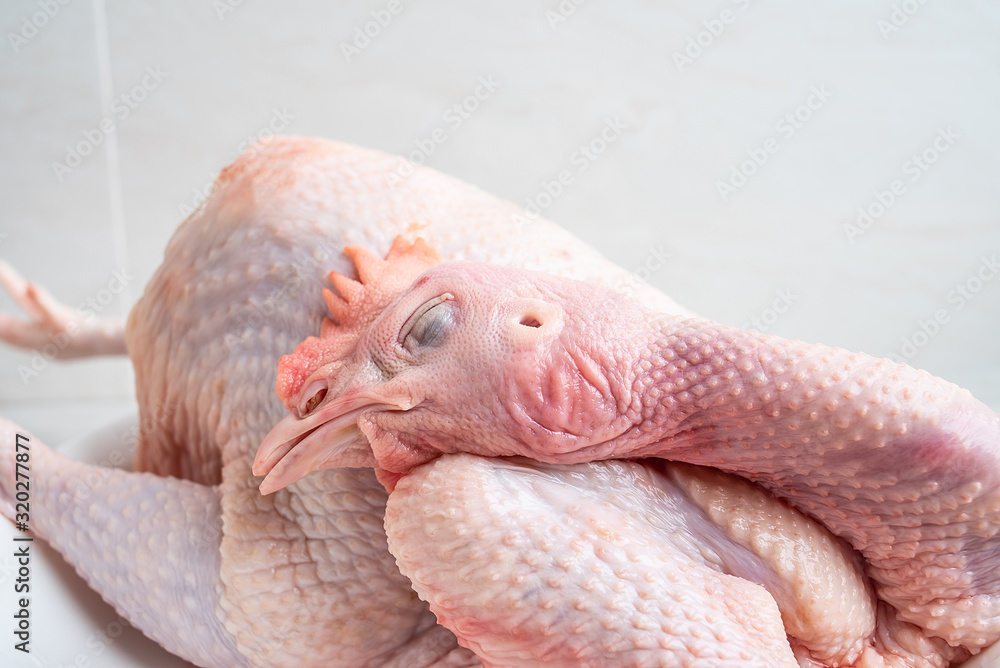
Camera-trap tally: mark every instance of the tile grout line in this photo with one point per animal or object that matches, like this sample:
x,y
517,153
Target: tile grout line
x,y
115,196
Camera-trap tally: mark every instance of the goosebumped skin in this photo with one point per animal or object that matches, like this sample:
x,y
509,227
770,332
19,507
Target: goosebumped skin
x,y
151,544
825,601
555,567
622,563
902,465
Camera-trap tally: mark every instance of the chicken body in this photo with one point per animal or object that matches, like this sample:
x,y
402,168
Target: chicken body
x,y
307,572
191,553
200,561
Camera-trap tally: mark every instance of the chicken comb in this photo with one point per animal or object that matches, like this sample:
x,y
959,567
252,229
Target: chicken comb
x,y
354,307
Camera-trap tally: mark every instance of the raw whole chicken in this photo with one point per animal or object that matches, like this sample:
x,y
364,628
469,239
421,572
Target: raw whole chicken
x,y
527,563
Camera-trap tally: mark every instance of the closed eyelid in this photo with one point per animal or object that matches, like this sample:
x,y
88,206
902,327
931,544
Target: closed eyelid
x,y
404,331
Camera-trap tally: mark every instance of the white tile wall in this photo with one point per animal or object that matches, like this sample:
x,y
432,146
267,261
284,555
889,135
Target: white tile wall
x,y
654,190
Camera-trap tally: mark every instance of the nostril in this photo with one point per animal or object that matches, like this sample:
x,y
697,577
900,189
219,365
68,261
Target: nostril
x,y
314,401
530,321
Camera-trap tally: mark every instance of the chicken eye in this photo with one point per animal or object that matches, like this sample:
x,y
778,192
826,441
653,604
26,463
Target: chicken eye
x,y
429,324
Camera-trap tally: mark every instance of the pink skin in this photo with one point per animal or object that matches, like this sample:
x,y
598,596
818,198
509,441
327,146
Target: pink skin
x,y
55,329
496,361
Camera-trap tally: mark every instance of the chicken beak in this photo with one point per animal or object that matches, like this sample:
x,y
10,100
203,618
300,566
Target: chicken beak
x,y
329,438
